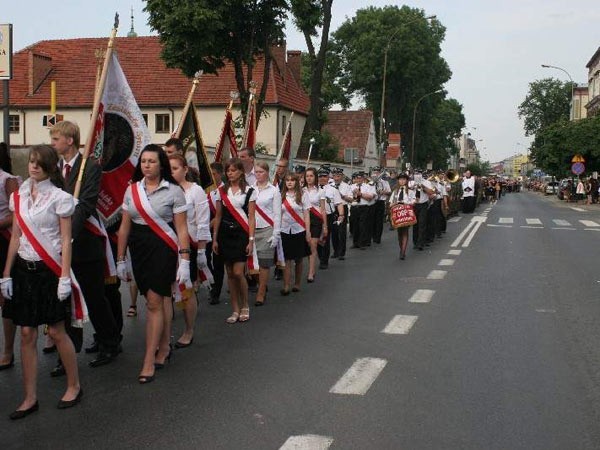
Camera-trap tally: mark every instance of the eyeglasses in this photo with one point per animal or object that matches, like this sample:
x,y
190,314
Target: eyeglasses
x,y
283,167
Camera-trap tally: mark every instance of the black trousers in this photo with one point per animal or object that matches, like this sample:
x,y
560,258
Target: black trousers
x,y
217,267
434,220
338,235
324,250
113,296
378,219
468,205
90,275
420,228
362,233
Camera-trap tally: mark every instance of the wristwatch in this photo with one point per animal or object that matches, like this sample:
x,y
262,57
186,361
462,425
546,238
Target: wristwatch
x,y
251,238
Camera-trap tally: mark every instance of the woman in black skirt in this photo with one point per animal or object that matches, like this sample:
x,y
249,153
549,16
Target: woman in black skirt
x,y
154,261
318,226
35,294
295,231
231,240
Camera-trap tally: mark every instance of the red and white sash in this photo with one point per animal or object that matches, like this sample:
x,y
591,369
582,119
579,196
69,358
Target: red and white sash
x,y
279,248
294,214
96,227
152,219
242,219
211,205
43,247
316,213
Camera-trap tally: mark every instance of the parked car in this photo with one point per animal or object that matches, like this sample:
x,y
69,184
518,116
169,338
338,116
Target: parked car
x,y
562,188
551,188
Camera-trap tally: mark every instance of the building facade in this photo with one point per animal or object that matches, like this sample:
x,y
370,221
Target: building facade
x,y
593,66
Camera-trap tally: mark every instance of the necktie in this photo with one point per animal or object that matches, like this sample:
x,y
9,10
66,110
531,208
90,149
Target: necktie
x,y
67,170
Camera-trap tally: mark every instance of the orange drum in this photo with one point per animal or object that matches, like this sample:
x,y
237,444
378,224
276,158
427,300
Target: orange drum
x,y
402,215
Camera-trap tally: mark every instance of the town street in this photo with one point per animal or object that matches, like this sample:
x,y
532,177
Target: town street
x,y
488,339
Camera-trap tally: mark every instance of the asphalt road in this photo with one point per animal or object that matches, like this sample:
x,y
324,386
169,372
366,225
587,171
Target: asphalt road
x,y
499,349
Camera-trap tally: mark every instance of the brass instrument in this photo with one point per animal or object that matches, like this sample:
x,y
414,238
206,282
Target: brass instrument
x,y
452,176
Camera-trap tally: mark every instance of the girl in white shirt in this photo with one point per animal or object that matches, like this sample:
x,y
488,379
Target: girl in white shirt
x,y
295,231
402,194
198,219
318,226
268,226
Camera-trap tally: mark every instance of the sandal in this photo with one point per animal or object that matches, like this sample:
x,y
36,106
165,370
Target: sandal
x,y
244,317
132,311
233,318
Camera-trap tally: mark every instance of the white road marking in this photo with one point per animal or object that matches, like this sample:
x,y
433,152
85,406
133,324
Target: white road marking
x,y
471,235
307,442
574,208
400,325
564,228
505,220
528,226
436,275
498,226
462,234
533,221
359,378
421,296
589,223
591,229
454,252
545,310
561,222
446,262
454,219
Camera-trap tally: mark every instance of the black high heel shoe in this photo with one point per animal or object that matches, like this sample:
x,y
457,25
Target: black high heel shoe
x,y
22,413
9,365
159,366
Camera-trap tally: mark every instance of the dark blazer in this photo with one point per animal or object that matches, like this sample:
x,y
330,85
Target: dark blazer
x,y
86,245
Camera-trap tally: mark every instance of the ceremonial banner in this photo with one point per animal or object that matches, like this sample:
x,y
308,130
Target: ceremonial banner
x,y
226,147
193,147
120,134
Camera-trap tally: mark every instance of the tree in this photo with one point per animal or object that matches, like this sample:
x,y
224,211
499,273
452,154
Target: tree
x,y
415,66
546,102
205,34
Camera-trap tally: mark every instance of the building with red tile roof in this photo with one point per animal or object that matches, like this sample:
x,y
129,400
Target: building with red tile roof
x,y
160,91
354,131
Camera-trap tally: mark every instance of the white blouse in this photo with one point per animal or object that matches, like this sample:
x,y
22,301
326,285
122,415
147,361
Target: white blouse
x,y
50,204
315,195
408,196
288,223
238,199
269,201
198,216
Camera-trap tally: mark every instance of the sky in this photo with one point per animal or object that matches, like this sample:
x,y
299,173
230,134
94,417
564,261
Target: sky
x,y
494,48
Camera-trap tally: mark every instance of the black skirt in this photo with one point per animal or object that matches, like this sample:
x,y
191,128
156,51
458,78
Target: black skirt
x,y
232,241
295,245
35,301
316,227
154,262
3,252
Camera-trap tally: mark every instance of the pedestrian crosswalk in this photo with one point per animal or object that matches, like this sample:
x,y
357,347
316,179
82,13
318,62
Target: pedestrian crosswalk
x,y
535,222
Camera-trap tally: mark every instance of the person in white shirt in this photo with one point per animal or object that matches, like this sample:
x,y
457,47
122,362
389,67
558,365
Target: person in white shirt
x,y
468,195
338,234
334,212
318,223
247,156
295,231
364,195
402,194
423,194
383,190
268,227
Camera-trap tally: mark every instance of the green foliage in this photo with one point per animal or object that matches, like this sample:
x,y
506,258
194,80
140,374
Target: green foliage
x,y
331,91
546,103
414,64
556,144
325,148
479,169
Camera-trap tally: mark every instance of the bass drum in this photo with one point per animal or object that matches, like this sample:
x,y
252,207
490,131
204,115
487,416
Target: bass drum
x,y
402,215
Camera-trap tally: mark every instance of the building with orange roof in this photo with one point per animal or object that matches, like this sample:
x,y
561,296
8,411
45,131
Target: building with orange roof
x,y
160,91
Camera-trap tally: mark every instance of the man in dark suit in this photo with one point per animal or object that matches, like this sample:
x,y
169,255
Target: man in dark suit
x,y
88,250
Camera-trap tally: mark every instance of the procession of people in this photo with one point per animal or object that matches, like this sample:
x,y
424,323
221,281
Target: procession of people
x,y
172,239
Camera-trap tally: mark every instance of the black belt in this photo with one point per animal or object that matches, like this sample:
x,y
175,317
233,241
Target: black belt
x,y
30,266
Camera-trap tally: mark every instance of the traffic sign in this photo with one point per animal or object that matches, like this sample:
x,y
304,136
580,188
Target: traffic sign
x,y
578,168
578,159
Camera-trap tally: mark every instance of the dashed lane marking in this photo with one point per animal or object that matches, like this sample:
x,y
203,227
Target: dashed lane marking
x,y
358,379
564,228
561,222
533,221
505,220
437,275
400,324
591,229
446,262
531,226
545,311
454,252
454,219
307,442
471,235
421,296
498,226
589,223
574,208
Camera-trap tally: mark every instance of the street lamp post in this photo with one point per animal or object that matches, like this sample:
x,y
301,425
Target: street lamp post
x,y
412,148
547,66
385,58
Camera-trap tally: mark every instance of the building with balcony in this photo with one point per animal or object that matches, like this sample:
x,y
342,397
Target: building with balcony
x,y
593,66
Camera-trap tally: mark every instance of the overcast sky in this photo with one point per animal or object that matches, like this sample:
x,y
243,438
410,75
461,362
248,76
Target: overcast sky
x,y
494,48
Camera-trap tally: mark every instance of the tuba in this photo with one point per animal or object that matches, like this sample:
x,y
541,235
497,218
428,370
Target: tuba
x,y
452,176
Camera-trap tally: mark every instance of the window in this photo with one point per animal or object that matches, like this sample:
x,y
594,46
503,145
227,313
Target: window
x,y
283,124
145,117
351,155
163,124
14,123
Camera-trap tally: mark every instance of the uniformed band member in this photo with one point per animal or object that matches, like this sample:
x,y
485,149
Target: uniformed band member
x,y
88,247
382,187
338,236
402,194
334,212
423,190
434,213
364,195
468,196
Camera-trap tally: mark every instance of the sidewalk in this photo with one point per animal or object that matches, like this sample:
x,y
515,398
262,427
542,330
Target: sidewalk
x,y
562,203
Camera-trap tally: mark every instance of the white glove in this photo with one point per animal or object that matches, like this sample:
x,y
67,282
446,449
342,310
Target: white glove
x,y
64,288
6,288
201,259
183,273
274,240
123,271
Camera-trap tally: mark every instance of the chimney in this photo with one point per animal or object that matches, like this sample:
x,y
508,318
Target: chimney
x,y
294,61
278,53
39,68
